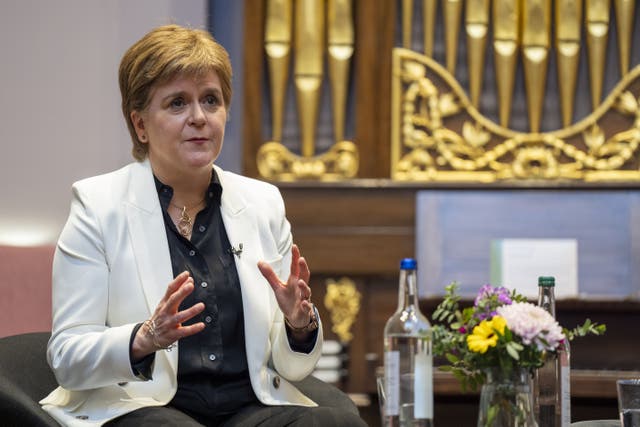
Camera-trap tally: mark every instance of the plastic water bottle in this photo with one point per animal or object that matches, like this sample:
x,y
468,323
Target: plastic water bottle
x,y
552,382
408,358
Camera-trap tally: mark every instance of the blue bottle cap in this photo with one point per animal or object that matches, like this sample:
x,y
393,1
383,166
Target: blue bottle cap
x,y
408,264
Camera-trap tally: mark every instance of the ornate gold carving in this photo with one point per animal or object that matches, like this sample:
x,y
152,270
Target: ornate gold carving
x,y
276,162
343,302
437,135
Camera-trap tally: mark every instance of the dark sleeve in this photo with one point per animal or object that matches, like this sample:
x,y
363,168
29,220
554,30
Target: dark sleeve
x,y
144,367
308,343
302,346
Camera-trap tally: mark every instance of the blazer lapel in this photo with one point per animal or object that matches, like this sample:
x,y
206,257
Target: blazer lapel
x,y
242,229
148,239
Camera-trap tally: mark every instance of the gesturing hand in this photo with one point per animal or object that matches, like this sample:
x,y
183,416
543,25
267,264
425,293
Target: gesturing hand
x,y
294,295
165,325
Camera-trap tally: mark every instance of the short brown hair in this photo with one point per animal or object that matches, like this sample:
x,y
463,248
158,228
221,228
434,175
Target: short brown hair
x,y
159,56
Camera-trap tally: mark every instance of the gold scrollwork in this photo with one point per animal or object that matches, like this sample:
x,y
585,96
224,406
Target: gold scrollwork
x,y
343,302
439,136
276,162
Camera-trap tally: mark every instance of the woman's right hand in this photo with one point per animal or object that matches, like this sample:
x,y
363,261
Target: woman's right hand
x,y
167,320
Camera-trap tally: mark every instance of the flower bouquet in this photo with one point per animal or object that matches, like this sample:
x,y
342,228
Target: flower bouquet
x,y
501,337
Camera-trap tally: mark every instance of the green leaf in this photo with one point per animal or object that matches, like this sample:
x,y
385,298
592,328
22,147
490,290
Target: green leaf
x,y
452,358
513,351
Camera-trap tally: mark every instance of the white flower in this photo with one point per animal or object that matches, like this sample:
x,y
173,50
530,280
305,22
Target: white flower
x,y
532,324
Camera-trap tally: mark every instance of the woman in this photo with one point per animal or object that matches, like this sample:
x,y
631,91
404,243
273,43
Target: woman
x,y
161,300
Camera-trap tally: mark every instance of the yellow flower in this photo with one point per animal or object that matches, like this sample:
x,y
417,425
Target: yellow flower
x,y
484,335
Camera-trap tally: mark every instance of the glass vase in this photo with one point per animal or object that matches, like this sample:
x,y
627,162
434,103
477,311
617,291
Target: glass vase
x,y
506,399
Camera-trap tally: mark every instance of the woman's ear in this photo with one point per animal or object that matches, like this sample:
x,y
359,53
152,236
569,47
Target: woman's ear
x,y
138,125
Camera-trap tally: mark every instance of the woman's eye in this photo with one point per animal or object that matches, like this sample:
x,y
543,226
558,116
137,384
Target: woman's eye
x,y
211,100
177,103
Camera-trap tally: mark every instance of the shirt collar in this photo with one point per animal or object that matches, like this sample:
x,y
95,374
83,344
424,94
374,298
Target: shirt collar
x,y
214,191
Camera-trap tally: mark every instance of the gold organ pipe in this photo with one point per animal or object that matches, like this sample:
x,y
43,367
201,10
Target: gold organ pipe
x,y
452,14
407,23
568,18
308,64
624,24
506,32
477,27
536,35
428,23
597,28
340,36
277,44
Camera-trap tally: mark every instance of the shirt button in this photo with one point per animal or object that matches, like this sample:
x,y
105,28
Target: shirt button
x,y
204,284
192,252
212,357
210,193
202,228
208,319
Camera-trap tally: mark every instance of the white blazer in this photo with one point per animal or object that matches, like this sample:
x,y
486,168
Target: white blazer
x,y
111,268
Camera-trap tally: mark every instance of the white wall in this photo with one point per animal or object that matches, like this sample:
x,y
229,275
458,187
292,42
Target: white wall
x,y
60,116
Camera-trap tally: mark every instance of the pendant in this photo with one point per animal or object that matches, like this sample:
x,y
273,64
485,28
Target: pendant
x,y
184,224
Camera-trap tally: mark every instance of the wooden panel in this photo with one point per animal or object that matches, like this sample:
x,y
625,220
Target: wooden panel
x,y
350,230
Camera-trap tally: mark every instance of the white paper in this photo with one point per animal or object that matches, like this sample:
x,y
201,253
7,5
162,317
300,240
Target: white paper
x,y
519,262
423,386
392,382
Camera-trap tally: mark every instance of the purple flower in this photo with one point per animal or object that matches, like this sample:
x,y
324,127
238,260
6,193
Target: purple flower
x,y
489,298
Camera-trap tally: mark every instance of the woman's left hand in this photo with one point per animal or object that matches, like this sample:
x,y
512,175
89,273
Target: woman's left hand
x,y
294,295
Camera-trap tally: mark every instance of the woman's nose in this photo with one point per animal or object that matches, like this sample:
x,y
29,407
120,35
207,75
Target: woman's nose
x,y
198,117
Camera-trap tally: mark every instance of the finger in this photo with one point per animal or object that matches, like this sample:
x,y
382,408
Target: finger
x,y
174,301
305,274
307,306
184,315
175,284
270,275
185,331
295,257
305,290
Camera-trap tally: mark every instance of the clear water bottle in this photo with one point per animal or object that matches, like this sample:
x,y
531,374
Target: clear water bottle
x,y
552,381
408,360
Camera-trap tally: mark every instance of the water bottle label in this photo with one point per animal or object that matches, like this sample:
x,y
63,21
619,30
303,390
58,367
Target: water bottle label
x,y
565,378
423,386
392,382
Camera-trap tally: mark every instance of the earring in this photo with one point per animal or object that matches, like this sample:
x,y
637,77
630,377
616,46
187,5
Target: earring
x,y
143,138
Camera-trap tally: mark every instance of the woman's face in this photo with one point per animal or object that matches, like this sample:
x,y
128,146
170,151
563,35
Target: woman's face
x,y
183,125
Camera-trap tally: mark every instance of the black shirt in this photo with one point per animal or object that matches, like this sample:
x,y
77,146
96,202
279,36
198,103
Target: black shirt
x,y
213,375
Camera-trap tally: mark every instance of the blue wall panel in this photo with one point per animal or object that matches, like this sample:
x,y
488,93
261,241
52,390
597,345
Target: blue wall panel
x,y
455,229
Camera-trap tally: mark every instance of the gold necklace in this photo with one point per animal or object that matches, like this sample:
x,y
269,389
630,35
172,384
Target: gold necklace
x,y
185,223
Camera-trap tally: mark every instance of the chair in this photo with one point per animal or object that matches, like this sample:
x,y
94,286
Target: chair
x,y
25,378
